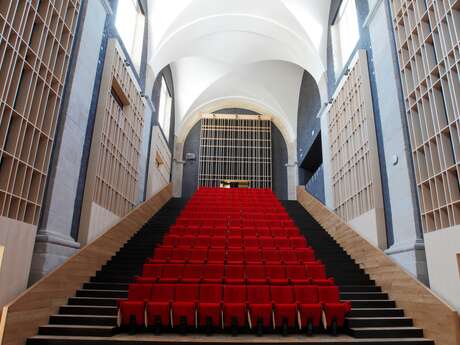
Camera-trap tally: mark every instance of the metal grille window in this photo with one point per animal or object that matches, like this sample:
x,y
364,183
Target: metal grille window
x,y
235,147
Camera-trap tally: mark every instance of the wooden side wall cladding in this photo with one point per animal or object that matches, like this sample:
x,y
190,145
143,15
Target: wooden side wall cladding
x,y
439,321
428,42
22,317
35,45
355,167
113,169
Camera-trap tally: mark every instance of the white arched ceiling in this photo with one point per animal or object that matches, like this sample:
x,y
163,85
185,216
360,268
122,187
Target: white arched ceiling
x,y
243,52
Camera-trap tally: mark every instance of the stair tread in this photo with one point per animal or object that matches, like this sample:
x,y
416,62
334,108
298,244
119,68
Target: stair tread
x,y
85,315
385,328
77,326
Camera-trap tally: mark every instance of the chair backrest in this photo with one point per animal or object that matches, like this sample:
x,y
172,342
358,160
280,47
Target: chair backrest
x,y
275,271
210,293
234,271
235,294
172,271
152,270
282,294
214,271
316,271
296,271
139,292
162,253
306,294
259,294
329,294
198,254
162,292
193,271
180,254
186,293
255,271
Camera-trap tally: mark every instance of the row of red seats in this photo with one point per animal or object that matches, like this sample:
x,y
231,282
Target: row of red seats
x,y
232,256
229,306
234,241
236,222
252,274
237,231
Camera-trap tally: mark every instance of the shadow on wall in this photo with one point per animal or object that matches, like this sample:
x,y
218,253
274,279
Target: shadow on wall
x,y
192,146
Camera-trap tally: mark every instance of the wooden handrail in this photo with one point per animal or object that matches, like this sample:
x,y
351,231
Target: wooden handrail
x,y
22,317
439,321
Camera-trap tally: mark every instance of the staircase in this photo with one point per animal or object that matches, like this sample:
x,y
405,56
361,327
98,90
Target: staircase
x,y
91,316
373,314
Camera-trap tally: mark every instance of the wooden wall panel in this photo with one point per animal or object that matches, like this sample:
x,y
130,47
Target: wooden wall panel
x,y
354,159
35,45
113,169
22,317
428,44
159,170
439,321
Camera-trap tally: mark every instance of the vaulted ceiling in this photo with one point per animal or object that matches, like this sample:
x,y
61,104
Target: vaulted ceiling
x,y
246,53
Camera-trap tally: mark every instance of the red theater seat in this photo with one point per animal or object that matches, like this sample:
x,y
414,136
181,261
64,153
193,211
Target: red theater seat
x,y
267,242
172,273
276,274
305,255
256,275
334,309
184,304
253,256
132,310
284,306
234,274
235,257
216,256
235,242
288,256
309,307
161,255
158,307
198,255
192,274
180,255
209,308
213,273
282,243
298,242
318,274
202,241
297,275
260,306
217,242
251,242
272,256
234,306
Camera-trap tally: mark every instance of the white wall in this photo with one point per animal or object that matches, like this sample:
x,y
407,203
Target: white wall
x,y
442,248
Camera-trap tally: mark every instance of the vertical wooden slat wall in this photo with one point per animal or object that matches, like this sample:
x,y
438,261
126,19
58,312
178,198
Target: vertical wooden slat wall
x,y
113,169
235,147
428,43
35,45
354,156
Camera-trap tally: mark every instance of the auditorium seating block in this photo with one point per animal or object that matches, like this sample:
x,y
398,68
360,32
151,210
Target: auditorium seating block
x,y
233,261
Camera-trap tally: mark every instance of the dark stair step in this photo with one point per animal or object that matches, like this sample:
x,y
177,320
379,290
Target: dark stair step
x,y
357,322
102,293
88,320
112,278
363,296
105,286
387,332
360,288
376,312
92,301
88,310
373,303
77,330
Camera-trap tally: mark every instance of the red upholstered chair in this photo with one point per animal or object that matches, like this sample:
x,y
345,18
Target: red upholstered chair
x,y
209,307
161,255
288,256
310,310
217,242
335,310
132,311
278,232
213,273
216,256
297,275
150,273
253,256
171,273
298,242
234,275
263,231
255,275
184,305
203,241
159,305
198,255
272,256
276,274
178,230
251,242
170,240
235,242
235,257
220,231
282,242
317,273
234,306
192,274
180,255
285,308
187,241
266,242
260,307
305,255
292,231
